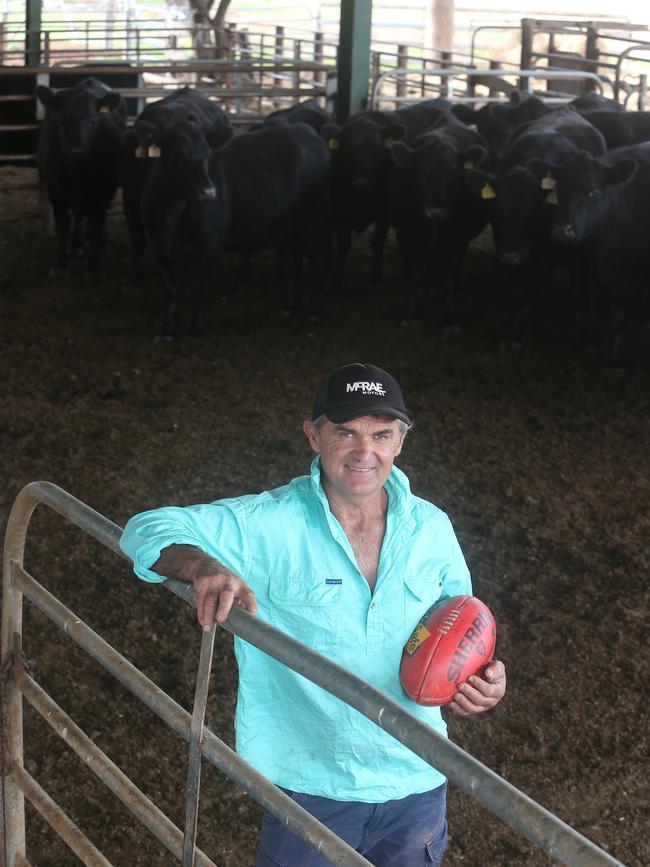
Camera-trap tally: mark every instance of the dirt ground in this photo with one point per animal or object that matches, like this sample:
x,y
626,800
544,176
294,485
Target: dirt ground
x,y
540,457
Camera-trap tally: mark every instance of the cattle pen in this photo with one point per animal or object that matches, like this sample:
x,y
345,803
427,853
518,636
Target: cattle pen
x,y
117,713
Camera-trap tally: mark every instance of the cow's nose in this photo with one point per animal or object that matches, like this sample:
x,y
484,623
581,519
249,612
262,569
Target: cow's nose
x,y
510,258
434,214
208,192
564,232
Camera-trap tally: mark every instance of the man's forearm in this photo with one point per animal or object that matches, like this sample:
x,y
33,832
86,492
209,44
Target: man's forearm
x,y
186,562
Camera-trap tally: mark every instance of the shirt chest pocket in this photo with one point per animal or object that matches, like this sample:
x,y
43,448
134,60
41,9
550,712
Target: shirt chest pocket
x,y
420,592
308,608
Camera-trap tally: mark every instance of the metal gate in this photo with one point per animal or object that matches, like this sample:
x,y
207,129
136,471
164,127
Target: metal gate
x,y
520,812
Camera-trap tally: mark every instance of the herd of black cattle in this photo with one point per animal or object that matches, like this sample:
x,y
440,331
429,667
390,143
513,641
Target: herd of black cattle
x,y
567,186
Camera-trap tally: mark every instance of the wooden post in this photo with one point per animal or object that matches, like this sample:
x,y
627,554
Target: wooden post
x,y
402,61
443,24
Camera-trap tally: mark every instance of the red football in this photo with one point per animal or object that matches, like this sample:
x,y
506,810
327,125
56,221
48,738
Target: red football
x,y
453,640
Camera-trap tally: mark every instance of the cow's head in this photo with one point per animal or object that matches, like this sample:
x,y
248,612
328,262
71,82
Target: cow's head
x,y
184,154
77,112
580,187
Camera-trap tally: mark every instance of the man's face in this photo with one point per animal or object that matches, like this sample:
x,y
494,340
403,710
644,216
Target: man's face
x,y
356,456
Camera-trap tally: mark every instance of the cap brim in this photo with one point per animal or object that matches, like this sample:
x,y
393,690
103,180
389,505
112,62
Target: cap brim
x,y
340,414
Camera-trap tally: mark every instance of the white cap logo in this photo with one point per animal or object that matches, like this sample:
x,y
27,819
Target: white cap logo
x,y
369,388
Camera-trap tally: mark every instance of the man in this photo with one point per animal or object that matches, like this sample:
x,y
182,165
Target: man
x,y
345,560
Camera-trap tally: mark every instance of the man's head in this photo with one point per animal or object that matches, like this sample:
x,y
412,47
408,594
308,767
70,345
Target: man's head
x,y
358,426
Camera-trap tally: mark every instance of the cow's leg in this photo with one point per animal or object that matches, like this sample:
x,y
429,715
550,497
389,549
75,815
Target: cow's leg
x,y
518,300
290,259
454,289
131,202
318,252
62,224
377,244
202,276
170,323
96,237
343,238
616,335
415,272
78,240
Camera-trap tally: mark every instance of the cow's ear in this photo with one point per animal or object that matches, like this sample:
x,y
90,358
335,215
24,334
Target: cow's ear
x,y
394,132
219,136
516,97
109,102
464,113
331,133
543,172
473,157
95,87
46,95
400,152
481,184
620,173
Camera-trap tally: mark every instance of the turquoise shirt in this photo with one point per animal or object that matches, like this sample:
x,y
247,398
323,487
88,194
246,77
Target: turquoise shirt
x,y
291,550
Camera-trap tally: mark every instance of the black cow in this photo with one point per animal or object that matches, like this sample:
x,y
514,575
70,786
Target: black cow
x,y
139,151
594,101
602,207
522,207
78,154
497,121
361,168
308,111
621,128
434,213
268,188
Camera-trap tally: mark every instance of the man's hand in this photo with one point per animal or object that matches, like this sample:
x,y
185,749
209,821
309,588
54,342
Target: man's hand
x,y
215,594
217,587
478,694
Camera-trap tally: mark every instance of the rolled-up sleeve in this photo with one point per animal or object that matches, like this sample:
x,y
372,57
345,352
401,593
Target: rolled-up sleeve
x,y
216,528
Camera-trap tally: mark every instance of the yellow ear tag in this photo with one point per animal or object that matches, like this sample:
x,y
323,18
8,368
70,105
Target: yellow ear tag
x,y
548,183
104,109
469,165
333,144
153,151
551,198
140,152
488,192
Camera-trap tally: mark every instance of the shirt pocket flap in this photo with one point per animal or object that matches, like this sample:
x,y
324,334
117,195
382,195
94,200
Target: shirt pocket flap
x,y
422,586
305,590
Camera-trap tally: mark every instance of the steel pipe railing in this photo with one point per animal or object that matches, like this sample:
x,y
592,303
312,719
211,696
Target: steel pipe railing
x,y
449,74
501,798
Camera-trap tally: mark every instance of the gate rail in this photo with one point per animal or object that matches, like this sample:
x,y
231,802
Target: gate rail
x,y
519,811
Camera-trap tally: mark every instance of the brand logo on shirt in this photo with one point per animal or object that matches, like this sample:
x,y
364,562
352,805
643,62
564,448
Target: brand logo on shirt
x,y
419,634
334,581
366,388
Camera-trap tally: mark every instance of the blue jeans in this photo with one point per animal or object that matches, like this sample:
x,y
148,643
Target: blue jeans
x,y
410,832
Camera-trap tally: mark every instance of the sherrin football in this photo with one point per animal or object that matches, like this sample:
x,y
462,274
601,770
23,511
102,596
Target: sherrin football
x,y
453,640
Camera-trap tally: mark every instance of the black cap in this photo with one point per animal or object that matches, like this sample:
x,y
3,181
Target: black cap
x,y
359,389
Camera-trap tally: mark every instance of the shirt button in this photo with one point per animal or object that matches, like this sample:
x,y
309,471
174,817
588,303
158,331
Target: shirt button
x,y
372,604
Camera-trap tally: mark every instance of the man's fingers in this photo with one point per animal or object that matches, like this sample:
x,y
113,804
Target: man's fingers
x,y
226,599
